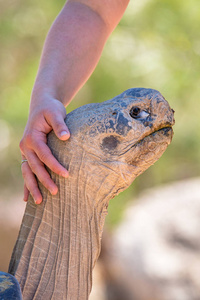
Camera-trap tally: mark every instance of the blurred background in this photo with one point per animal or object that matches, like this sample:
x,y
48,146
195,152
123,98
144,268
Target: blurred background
x,y
156,45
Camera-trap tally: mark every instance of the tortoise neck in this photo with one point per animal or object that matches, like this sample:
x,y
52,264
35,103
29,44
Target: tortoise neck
x,y
59,240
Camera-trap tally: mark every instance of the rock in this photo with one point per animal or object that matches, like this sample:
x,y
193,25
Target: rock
x,y
9,287
158,244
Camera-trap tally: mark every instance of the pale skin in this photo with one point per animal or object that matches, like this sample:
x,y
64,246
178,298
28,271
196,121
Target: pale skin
x,y
71,52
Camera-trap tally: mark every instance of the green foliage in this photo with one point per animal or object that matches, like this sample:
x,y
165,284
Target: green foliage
x,y
156,45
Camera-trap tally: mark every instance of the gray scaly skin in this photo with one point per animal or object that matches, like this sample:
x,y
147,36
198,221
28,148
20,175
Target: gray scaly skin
x,y
111,143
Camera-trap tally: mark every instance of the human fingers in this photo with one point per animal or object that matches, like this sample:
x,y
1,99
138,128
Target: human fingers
x,y
30,184
38,168
34,147
45,155
26,193
56,121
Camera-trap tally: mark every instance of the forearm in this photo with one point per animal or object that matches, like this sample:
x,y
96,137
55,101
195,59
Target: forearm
x,y
72,50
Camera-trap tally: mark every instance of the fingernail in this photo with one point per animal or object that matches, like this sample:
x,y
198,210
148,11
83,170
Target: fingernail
x,y
64,133
65,174
37,201
53,191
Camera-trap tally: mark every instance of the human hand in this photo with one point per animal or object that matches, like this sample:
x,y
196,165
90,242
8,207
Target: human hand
x,y
43,117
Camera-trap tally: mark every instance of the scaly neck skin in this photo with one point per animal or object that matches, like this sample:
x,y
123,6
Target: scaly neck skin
x,y
64,239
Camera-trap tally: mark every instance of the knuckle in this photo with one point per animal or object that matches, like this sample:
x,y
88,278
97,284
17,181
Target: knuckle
x,y
58,124
50,113
34,168
44,153
55,118
29,138
43,156
26,140
21,144
23,173
34,190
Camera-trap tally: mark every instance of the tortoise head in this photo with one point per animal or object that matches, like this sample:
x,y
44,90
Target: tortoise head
x,y
126,134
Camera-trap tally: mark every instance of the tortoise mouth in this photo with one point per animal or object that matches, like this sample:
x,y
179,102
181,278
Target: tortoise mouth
x,y
148,150
163,134
166,131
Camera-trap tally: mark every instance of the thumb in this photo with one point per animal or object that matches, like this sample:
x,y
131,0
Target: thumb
x,y
59,127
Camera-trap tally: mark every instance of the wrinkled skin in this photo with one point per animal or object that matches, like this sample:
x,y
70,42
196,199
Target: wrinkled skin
x,y
111,143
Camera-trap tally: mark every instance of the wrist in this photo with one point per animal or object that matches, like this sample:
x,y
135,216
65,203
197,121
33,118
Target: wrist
x,y
44,108
42,94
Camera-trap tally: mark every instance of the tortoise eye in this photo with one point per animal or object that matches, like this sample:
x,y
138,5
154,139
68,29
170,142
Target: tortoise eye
x,y
134,112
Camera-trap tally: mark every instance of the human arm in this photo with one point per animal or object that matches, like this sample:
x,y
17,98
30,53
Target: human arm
x,y
71,52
